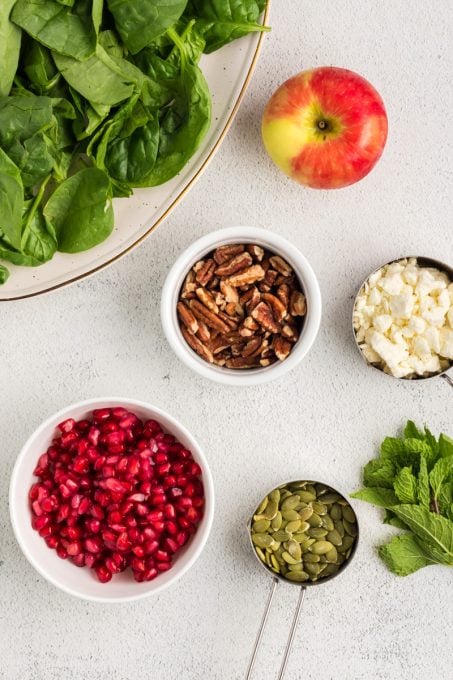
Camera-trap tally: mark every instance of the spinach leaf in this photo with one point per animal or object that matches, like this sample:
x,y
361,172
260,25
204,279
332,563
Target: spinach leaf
x,y
221,21
139,22
58,27
11,199
4,275
79,213
131,157
39,67
101,79
183,122
9,47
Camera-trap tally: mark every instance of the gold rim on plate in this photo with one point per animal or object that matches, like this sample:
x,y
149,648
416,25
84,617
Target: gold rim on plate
x,y
182,193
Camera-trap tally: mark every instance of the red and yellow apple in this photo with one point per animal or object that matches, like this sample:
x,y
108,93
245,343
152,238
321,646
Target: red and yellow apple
x,y
325,128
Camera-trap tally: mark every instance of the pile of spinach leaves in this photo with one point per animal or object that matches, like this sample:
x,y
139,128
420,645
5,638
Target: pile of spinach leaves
x,y
98,97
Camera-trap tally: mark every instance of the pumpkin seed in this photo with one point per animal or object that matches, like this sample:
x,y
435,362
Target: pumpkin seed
x,y
350,528
330,569
319,508
327,523
315,520
321,547
290,515
294,550
275,496
349,514
275,563
295,567
334,537
306,496
276,523
280,536
262,505
294,526
346,544
309,557
315,532
289,559
311,489
305,513
332,555
261,526
260,554
300,537
335,512
262,540
339,526
312,569
298,576
331,498
275,545
271,510
289,503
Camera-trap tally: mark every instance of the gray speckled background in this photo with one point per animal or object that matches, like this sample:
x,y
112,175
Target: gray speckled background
x,y
325,419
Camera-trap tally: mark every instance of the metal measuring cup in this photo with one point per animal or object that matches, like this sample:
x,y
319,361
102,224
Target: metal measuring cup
x,y
422,262
278,578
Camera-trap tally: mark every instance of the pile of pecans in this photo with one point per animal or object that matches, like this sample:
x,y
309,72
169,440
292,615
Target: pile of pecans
x,y
241,307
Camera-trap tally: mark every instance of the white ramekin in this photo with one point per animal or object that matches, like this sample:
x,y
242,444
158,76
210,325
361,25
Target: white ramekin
x,y
197,251
82,582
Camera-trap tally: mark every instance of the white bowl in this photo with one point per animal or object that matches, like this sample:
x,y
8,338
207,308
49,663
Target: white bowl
x,y
82,582
197,251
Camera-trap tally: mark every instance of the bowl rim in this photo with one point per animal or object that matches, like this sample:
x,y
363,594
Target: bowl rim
x,y
202,532
199,248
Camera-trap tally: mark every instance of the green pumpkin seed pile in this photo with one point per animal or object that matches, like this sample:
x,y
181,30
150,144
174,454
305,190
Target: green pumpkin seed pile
x,y
304,531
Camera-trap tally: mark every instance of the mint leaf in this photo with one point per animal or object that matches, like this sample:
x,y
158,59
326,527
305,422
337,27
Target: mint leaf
x,y
418,446
405,486
435,531
391,447
379,472
440,473
424,496
445,445
445,499
394,521
385,498
403,555
412,432
432,442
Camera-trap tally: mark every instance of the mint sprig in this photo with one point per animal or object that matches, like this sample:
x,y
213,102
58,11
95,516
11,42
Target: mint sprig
x,y
413,480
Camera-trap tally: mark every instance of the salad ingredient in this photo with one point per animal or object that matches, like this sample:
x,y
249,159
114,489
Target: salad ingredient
x,y
304,531
403,319
325,128
115,492
241,307
97,98
413,480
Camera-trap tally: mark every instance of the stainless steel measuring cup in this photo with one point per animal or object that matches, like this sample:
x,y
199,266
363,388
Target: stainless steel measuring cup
x,y
422,262
278,578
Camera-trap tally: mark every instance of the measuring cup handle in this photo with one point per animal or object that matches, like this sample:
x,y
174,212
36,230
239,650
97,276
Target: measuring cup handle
x,y
292,633
448,378
261,629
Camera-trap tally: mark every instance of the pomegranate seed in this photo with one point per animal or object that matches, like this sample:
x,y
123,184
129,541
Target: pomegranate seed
x,y
169,511
155,516
169,481
93,436
160,458
112,484
119,412
150,574
182,538
41,467
90,560
183,503
83,426
40,521
93,526
138,564
93,545
81,465
78,560
163,566
52,541
68,438
192,515
36,508
149,533
84,506
171,528
61,552
175,492
74,548
123,542
101,414
49,504
158,499
170,545
138,550
73,533
103,574
150,547
162,556
63,512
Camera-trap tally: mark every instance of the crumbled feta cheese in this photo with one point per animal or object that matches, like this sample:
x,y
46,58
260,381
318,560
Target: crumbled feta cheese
x,y
403,319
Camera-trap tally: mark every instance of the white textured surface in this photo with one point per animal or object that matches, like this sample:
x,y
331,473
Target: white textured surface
x,y
324,420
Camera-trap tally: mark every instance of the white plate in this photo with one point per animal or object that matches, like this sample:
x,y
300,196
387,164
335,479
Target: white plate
x,y
228,72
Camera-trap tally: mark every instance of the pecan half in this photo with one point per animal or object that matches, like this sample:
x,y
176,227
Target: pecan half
x,y
187,317
256,251
206,272
240,362
280,265
279,310
263,314
225,253
298,305
203,333
230,294
197,345
283,294
210,319
189,285
246,276
234,265
207,299
281,347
